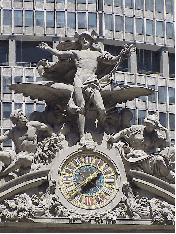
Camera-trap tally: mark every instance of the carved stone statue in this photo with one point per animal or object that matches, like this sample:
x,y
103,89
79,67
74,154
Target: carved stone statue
x,y
146,145
86,82
25,136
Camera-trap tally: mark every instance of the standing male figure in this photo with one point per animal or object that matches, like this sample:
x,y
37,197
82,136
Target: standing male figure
x,y
85,81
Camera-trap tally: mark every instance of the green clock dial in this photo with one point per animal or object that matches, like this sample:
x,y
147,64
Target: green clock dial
x,y
88,181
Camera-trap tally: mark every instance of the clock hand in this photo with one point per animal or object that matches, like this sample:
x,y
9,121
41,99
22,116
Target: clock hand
x,y
90,181
84,182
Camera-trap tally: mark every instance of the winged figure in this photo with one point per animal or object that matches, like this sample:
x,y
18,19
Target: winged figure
x,y
82,75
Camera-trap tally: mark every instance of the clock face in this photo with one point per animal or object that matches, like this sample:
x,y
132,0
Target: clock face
x,y
88,181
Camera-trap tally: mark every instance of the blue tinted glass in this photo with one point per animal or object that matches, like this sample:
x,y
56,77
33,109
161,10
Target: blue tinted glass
x,y
129,3
92,20
108,22
171,95
172,121
149,27
163,119
117,3
29,18
29,108
71,23
7,109
7,17
128,25
159,29
6,81
139,26
161,94
118,23
81,20
60,19
39,18
169,30
50,19
18,18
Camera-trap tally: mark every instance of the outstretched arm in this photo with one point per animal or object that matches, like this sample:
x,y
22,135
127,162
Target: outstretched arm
x,y
41,126
4,137
59,54
124,54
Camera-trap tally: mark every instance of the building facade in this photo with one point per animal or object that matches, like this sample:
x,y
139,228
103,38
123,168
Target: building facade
x,y
148,24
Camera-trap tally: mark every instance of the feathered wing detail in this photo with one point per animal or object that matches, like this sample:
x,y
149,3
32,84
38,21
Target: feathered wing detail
x,y
59,93
111,96
52,93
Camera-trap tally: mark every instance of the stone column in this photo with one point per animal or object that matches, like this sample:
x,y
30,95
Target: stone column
x,y
12,52
164,62
132,62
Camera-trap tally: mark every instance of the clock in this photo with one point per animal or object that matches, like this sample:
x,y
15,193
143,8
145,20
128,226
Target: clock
x,y
88,180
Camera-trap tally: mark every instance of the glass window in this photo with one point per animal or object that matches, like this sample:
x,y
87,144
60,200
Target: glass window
x,y
72,1
139,26
29,78
92,20
6,81
4,52
29,18
172,65
50,19
129,3
18,18
60,1
28,0
81,1
40,107
7,143
152,98
141,116
163,119
7,17
39,18
60,19
39,0
139,4
128,25
151,113
81,20
38,79
108,22
71,20
149,5
169,30
18,0
29,108
49,0
118,23
161,94
149,27
18,106
18,79
7,109
159,29
172,121
117,3
159,5
171,95
108,2
92,1
168,6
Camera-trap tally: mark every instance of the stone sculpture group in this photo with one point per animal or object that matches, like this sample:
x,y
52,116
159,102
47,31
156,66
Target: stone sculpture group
x,y
81,98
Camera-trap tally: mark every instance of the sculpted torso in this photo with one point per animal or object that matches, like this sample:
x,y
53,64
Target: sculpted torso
x,y
86,63
24,140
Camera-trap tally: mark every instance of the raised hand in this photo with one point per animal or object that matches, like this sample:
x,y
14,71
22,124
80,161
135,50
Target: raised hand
x,y
43,46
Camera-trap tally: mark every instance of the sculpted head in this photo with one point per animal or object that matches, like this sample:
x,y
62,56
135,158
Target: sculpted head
x,y
126,117
17,116
151,122
86,40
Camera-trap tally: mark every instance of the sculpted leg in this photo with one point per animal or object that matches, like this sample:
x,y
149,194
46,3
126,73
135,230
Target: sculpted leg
x,y
98,102
16,164
80,103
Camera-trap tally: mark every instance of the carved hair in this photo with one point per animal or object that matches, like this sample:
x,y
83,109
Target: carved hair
x,y
153,119
18,114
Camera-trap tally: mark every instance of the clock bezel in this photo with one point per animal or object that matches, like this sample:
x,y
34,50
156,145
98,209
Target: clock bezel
x,y
112,156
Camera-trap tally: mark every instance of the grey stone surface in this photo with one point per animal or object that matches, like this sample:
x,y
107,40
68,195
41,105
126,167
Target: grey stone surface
x,y
79,161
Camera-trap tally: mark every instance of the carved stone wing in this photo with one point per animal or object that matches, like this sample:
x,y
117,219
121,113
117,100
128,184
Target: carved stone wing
x,y
52,93
123,93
